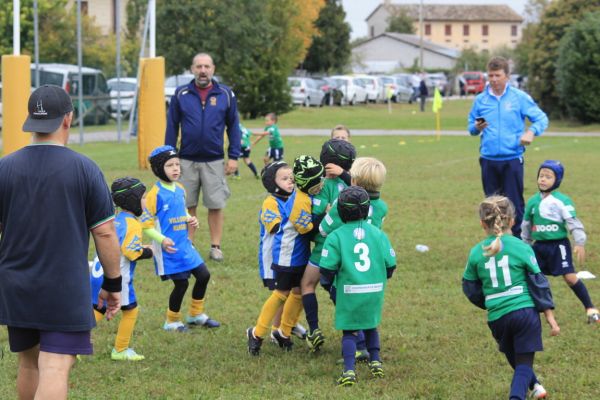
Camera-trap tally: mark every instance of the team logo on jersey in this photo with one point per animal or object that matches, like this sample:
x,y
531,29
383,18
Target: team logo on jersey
x,y
213,101
392,253
304,219
166,207
546,228
358,233
135,244
316,202
97,270
324,253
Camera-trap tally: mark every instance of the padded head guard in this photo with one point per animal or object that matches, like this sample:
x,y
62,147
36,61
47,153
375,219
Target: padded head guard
x,y
127,193
159,157
557,168
338,152
353,204
268,175
308,172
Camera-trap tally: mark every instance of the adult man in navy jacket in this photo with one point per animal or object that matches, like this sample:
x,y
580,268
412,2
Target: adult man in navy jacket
x,y
499,113
203,109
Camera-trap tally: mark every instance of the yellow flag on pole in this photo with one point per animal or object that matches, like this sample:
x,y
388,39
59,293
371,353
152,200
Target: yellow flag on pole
x,y
437,101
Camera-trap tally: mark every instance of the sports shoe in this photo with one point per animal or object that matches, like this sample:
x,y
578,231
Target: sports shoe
x,y
348,378
284,342
538,392
176,326
126,355
215,254
299,331
593,316
236,177
254,343
202,320
361,356
376,369
315,339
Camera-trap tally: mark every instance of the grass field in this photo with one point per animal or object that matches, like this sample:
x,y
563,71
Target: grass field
x,y
435,344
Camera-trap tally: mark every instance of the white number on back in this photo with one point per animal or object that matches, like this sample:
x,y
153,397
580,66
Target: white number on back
x,y
363,254
503,264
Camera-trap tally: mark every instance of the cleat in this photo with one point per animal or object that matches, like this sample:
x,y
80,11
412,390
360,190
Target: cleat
x,y
202,320
299,331
348,378
538,392
126,355
284,342
236,177
361,356
176,326
315,340
215,254
593,316
254,343
376,369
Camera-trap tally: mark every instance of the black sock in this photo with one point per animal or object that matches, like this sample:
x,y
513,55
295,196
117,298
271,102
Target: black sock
x,y
582,294
253,169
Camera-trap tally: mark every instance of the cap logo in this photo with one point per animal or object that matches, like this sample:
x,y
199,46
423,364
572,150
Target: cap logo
x,y
39,108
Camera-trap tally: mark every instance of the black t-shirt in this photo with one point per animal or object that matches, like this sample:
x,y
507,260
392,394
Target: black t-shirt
x,y
50,198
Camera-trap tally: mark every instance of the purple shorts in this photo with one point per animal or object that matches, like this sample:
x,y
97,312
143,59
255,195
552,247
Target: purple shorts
x,y
21,339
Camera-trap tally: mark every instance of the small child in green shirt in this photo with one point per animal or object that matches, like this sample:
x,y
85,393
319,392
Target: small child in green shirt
x,y
275,150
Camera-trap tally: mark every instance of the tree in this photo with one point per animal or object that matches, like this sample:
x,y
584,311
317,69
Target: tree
x,y
330,49
401,22
306,13
471,60
578,68
557,18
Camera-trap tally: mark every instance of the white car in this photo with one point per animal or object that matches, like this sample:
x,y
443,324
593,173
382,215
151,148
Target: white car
x,y
305,91
125,88
372,86
172,82
352,88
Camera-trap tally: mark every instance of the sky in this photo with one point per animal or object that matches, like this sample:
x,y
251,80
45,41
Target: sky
x,y
358,10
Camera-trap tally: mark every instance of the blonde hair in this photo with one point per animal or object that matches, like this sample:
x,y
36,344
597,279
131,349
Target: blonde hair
x,y
340,128
497,214
368,173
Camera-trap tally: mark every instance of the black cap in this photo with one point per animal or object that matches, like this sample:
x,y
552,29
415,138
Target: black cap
x,y
47,107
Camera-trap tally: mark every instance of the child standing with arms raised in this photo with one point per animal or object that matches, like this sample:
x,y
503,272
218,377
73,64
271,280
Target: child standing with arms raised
x,y
166,222
275,150
549,215
502,277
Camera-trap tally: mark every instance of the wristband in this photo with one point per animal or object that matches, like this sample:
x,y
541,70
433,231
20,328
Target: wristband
x,y
112,285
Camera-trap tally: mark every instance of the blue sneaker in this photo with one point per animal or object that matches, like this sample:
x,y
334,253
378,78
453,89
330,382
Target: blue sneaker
x,y
177,326
348,378
202,320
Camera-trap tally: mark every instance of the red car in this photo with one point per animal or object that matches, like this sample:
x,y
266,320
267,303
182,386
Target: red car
x,y
474,82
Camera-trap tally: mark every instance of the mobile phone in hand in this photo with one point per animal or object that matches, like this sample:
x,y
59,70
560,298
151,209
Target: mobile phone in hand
x,y
480,120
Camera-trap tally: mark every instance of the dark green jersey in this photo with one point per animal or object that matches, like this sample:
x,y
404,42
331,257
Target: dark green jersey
x,y
275,141
548,215
360,253
246,134
377,212
504,276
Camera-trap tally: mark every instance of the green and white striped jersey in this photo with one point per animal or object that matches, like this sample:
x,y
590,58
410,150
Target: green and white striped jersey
x,y
548,215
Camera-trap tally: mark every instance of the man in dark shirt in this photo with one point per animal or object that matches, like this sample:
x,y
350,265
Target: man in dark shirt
x,y
51,198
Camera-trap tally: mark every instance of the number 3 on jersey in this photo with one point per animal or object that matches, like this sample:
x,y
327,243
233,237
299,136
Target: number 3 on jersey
x,y
503,264
363,255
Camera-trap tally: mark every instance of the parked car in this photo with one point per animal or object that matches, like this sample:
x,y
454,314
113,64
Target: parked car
x,y
352,88
306,91
474,82
440,82
404,90
125,88
333,95
371,85
172,82
96,104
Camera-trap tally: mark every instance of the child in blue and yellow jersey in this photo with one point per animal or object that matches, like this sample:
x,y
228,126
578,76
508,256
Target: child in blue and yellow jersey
x,y
127,194
502,276
335,154
166,222
286,218
549,217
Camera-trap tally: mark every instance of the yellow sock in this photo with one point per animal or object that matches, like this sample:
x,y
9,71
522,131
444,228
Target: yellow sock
x,y
267,312
197,307
125,330
98,315
173,316
291,311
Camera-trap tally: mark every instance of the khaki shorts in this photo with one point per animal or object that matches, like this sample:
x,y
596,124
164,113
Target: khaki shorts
x,y
208,176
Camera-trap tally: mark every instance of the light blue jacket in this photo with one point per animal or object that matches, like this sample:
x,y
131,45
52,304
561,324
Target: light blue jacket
x,y
506,122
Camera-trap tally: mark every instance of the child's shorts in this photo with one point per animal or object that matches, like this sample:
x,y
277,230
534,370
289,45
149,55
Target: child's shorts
x,y
518,332
275,154
288,277
554,257
182,275
72,343
269,283
245,152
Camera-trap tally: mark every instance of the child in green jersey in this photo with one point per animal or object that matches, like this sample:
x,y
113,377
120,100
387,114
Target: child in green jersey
x,y
246,134
502,277
361,258
549,216
275,150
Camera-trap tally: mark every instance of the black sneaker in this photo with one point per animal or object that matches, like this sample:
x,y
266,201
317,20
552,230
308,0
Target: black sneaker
x,y
376,369
315,339
283,342
254,343
348,378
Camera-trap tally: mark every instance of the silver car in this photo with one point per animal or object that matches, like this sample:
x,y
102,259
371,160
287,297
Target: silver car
x,y
306,91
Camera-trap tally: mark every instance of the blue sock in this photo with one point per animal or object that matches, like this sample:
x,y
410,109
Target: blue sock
x,y
520,382
372,342
348,349
533,381
253,169
311,309
582,294
361,343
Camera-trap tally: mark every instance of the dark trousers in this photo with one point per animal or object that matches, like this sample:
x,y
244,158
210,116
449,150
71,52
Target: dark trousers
x,y
505,178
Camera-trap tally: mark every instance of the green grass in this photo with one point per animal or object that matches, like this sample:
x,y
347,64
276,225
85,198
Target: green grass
x,y
435,344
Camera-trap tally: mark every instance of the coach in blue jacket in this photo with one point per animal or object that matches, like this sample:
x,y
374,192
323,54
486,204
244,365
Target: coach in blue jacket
x,y
498,114
203,109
